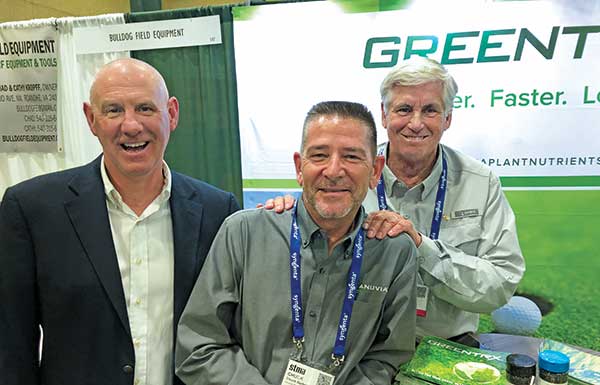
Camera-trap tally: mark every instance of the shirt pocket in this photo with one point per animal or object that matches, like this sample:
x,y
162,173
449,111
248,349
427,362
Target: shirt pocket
x,y
464,234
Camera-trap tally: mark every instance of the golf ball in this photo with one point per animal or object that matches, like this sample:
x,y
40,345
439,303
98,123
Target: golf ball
x,y
519,316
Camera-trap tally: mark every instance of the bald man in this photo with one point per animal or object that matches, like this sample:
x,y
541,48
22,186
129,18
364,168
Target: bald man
x,y
103,257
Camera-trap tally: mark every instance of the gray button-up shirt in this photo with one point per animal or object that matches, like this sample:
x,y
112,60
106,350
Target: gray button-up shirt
x,y
476,264
237,326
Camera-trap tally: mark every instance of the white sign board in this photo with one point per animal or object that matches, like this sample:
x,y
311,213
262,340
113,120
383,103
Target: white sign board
x,y
528,100
28,89
148,35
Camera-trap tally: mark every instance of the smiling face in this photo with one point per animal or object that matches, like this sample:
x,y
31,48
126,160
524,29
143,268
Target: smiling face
x,y
336,168
132,116
415,121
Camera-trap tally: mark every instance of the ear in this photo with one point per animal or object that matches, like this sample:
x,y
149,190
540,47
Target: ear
x,y
173,110
89,116
377,169
383,118
298,165
447,121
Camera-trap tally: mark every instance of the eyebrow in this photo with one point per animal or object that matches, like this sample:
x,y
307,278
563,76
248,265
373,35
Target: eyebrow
x,y
105,105
355,149
322,147
317,147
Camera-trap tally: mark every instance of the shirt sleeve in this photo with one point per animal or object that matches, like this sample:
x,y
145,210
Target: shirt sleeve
x,y
206,345
19,319
486,279
395,341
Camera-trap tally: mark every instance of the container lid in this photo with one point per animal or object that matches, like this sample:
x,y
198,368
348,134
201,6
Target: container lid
x,y
553,361
520,365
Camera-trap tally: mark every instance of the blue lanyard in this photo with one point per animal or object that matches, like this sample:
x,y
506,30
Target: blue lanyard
x,y
339,348
381,186
438,208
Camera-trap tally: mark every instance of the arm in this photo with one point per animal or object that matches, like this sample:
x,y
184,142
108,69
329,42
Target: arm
x,y
395,342
486,280
19,321
207,347
479,282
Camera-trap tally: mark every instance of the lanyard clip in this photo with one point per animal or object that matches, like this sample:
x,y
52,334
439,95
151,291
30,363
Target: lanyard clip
x,y
299,348
337,360
298,342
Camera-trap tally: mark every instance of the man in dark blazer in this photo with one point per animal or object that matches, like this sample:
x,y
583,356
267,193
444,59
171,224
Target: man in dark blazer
x,y
62,262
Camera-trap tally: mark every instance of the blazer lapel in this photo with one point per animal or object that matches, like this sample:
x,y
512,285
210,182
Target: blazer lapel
x,y
89,216
186,214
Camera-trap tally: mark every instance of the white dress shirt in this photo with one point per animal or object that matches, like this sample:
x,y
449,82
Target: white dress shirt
x,y
144,246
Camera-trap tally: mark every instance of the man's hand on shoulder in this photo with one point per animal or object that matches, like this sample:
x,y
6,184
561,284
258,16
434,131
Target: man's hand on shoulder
x,y
380,224
278,204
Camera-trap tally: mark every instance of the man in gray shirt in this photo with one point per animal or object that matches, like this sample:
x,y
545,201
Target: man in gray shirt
x,y
470,261
302,297
450,204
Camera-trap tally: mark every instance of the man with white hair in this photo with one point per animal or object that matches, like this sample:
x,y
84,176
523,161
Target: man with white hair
x,y
451,205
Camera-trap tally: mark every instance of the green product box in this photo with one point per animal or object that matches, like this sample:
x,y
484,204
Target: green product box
x,y
447,363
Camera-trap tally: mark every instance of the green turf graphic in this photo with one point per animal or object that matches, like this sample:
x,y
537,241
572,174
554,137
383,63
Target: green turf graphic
x,y
559,232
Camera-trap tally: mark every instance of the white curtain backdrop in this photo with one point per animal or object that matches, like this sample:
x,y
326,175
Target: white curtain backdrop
x,y
75,74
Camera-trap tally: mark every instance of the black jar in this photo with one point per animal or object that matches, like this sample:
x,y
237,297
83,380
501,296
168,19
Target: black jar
x,y
520,369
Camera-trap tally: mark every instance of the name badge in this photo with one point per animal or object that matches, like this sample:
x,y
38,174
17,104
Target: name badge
x,y
298,373
465,213
422,294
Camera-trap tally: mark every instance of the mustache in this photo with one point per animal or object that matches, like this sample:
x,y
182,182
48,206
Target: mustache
x,y
333,186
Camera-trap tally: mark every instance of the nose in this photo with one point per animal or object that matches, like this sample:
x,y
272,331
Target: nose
x,y
131,126
416,121
334,168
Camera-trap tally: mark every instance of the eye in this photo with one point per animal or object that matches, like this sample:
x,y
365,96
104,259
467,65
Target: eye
x,y
318,156
112,110
403,110
352,157
431,111
145,109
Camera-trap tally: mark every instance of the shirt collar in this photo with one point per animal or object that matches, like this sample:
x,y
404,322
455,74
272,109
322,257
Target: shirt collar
x,y
114,197
308,228
426,186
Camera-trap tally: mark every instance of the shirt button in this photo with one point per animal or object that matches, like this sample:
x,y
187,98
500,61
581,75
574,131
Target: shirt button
x,y
128,369
138,301
312,313
137,381
406,216
138,261
136,343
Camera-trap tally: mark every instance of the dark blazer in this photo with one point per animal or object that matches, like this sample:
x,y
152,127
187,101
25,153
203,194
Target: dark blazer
x,y
59,270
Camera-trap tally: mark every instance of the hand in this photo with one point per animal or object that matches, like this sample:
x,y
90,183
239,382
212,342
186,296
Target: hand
x,y
278,204
380,224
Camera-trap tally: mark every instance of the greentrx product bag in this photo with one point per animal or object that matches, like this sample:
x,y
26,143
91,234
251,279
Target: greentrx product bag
x,y
447,363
